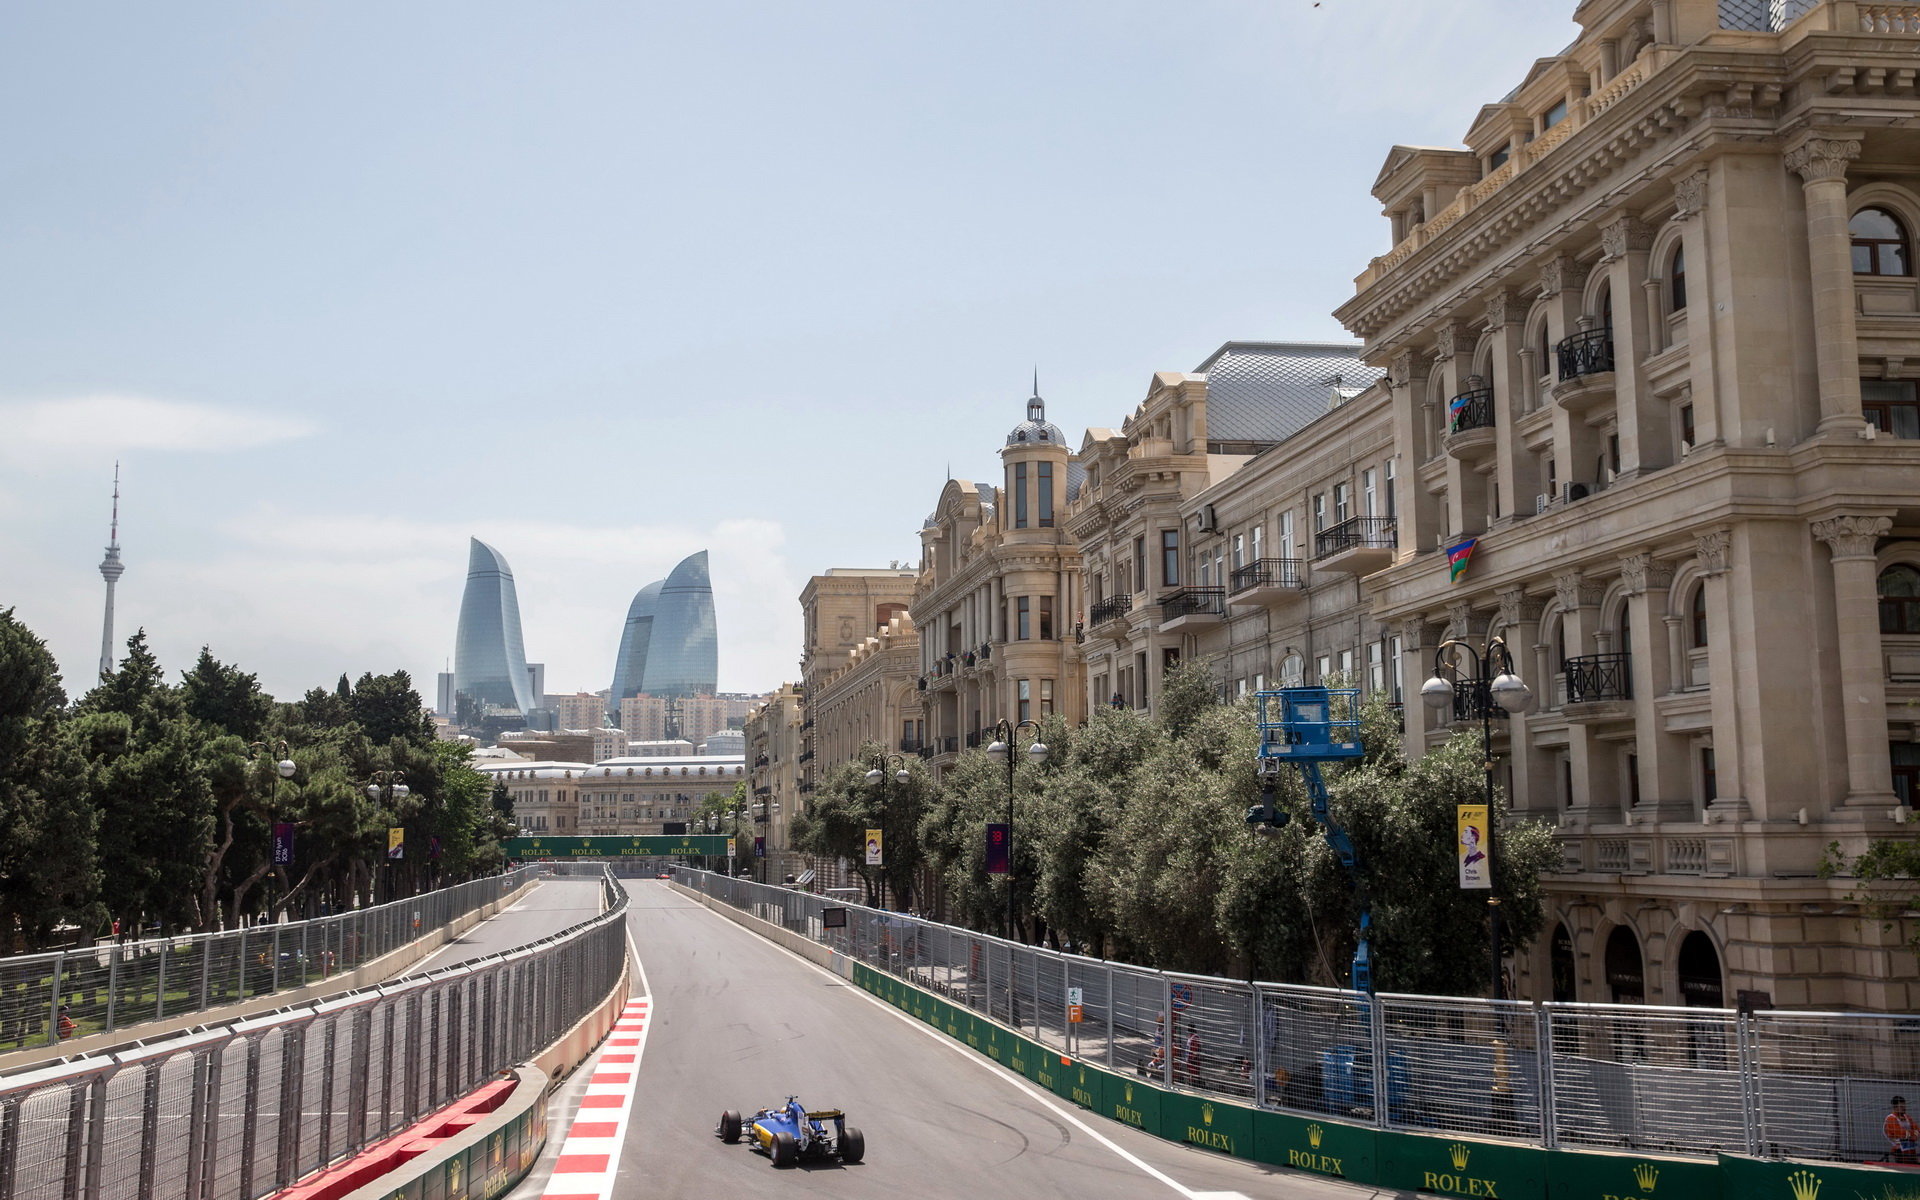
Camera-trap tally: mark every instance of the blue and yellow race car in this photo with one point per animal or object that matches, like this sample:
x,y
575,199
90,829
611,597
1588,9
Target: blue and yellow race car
x,y
790,1133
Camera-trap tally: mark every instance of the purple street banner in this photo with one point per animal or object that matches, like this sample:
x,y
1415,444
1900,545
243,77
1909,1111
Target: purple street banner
x,y
759,847
433,846
282,843
396,843
997,847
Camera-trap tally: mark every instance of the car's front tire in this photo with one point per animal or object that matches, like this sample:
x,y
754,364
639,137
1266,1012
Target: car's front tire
x,y
729,1127
853,1145
784,1150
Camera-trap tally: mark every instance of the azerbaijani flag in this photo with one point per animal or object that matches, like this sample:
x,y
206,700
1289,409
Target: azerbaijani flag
x,y
1457,557
1455,407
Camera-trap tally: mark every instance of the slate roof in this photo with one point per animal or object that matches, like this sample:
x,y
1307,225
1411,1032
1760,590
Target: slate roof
x,y
1267,391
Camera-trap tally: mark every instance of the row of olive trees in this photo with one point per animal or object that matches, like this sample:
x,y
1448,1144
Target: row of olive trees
x,y
146,802
1131,842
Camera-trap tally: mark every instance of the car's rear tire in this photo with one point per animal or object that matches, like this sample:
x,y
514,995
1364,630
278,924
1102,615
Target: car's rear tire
x,y
729,1127
853,1145
784,1150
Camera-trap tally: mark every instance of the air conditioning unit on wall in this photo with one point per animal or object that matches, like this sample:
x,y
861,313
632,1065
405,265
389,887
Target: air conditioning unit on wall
x,y
1205,520
1542,503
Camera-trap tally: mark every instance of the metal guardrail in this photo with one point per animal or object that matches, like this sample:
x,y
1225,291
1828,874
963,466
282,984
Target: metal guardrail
x,y
1691,1082
245,1110
116,984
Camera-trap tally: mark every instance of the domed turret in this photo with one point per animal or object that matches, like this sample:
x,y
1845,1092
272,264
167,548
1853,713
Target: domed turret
x,y
1036,428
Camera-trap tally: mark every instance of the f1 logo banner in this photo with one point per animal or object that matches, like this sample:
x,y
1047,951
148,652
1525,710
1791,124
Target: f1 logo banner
x,y
998,846
396,843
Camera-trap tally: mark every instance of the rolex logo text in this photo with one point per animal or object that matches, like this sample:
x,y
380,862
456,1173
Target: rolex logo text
x,y
1805,1185
1458,1182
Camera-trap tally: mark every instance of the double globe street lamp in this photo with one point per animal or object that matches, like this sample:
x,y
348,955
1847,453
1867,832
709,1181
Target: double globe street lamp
x,y
877,776
1001,751
283,769
389,786
1485,691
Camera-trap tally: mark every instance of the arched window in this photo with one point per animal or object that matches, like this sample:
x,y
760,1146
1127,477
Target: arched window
x,y
1700,982
1626,977
1879,243
1561,965
1677,280
1697,618
1900,599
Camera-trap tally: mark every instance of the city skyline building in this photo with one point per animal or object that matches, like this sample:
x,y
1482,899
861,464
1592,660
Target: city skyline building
x,y
636,636
490,661
111,568
683,652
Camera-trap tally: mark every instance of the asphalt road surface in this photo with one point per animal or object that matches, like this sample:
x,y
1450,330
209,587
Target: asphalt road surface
x,y
739,1023
553,905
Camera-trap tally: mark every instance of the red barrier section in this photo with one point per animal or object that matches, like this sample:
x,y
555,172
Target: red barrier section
x,y
382,1157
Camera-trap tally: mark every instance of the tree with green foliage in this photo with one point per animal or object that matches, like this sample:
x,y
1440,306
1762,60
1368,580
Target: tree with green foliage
x,y
1887,881
846,804
49,877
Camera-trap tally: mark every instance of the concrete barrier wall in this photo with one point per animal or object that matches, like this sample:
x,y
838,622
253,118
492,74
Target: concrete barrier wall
x,y
561,1059
781,936
379,970
482,1163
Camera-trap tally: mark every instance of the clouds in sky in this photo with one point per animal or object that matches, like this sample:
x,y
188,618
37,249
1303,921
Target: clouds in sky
x,y
128,423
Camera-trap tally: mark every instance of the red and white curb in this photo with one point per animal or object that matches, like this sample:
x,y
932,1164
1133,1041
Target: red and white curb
x,y
590,1155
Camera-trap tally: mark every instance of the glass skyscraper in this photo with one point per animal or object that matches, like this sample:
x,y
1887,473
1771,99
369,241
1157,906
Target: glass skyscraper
x,y
669,646
489,659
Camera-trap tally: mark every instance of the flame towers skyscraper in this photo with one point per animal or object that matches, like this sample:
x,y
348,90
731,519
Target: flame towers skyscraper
x,y
669,646
489,658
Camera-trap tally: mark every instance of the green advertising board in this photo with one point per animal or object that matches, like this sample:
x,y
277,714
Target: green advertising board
x,y
1759,1179
1577,1175
1455,1166
1209,1124
1133,1102
678,845
1312,1144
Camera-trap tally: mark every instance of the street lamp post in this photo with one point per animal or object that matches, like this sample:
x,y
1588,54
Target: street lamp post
x,y
282,769
878,777
1507,690
1002,751
389,786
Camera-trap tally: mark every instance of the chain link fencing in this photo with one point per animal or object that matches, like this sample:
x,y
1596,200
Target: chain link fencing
x,y
246,1109
117,984
1692,1082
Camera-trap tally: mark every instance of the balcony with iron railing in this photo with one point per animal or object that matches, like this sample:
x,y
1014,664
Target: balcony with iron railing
x,y
1585,369
1470,425
1473,700
1597,685
1266,581
1356,546
1108,610
1193,607
909,745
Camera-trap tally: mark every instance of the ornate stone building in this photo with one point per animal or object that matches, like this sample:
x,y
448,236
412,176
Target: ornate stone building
x,y
774,744
870,697
999,574
1157,566
839,611
1651,337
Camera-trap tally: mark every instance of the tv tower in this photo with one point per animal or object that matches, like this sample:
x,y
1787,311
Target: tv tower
x,y
111,568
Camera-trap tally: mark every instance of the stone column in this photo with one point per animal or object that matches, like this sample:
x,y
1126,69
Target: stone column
x,y
1643,429
1414,669
1562,281
1417,512
1662,756
1821,162
1515,472
1690,212
1713,550
1533,783
1863,681
1591,801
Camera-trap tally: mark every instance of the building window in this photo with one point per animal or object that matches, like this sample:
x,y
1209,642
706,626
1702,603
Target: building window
x,y
1369,492
1043,493
1239,550
1170,557
1677,280
1019,495
1257,542
1393,658
1548,120
1023,620
1393,499
1046,697
1342,501
1140,564
1293,670
1046,618
1322,668
1686,424
1025,702
1498,158
1709,778
1900,599
1879,243
1906,771
1891,406
1346,665
1376,667
1319,512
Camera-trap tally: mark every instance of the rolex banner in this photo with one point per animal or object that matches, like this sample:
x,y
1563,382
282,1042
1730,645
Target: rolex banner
x,y
396,844
875,856
1476,869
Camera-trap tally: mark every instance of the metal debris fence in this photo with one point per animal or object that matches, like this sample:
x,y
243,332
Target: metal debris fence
x,y
247,1109
116,984
1691,1082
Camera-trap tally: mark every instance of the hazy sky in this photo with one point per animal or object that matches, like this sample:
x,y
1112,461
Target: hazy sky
x,y
605,283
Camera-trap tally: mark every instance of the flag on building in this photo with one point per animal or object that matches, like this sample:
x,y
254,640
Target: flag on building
x,y
1457,557
1454,408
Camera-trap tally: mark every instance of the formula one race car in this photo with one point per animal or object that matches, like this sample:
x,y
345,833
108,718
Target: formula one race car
x,y
790,1133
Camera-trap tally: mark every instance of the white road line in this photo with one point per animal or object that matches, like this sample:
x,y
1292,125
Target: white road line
x,y
1044,1098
